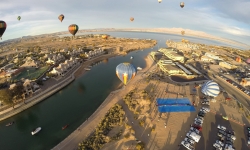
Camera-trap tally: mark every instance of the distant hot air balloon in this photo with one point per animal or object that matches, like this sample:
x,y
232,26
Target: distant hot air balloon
x,y
19,18
3,27
125,72
105,37
182,4
248,61
182,32
61,17
159,1
73,29
132,19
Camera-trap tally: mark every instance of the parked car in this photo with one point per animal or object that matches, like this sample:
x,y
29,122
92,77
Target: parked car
x,y
189,141
197,127
205,109
199,120
201,114
217,146
195,130
198,123
222,132
205,103
221,127
220,143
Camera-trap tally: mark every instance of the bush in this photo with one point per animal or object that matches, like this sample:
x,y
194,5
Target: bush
x,y
142,122
152,129
127,136
140,146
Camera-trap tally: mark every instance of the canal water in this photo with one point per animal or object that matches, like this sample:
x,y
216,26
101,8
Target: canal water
x,y
76,102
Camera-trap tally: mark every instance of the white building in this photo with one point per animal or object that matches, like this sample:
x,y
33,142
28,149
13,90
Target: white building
x,y
54,58
213,56
63,68
94,53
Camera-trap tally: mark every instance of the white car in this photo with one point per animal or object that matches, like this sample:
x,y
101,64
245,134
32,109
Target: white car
x,y
44,79
206,109
198,119
221,127
220,143
217,146
195,130
198,123
187,145
189,140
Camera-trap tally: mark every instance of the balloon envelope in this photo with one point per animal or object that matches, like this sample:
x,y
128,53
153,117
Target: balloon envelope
x,y
182,4
73,29
125,72
105,36
248,61
3,27
210,88
61,17
132,19
159,1
19,18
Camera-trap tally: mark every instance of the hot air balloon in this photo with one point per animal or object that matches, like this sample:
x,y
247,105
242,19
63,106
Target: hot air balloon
x,y
132,19
73,29
19,18
159,1
182,4
3,27
105,37
125,72
238,59
182,32
61,17
210,88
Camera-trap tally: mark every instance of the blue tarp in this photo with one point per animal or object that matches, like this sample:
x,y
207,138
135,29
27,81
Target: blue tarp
x,y
161,101
163,109
174,105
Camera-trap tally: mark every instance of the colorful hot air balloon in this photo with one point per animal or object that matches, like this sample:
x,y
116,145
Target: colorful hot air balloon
x,y
182,32
248,61
19,18
73,29
3,27
182,4
105,37
132,19
159,1
125,72
61,17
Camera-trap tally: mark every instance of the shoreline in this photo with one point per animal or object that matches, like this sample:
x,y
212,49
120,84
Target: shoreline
x,y
83,131
43,95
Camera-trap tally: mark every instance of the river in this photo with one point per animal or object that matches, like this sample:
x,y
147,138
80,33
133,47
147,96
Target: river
x,y
76,102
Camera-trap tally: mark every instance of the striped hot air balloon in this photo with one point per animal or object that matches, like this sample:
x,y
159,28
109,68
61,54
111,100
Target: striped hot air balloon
x,y
132,19
210,88
61,17
19,18
125,72
3,27
73,29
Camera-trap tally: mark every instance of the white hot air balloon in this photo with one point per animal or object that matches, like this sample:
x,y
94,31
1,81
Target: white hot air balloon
x,y
159,1
210,88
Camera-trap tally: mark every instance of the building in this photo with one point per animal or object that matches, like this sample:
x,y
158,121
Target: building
x,y
30,87
54,58
63,68
170,53
213,56
206,59
169,68
30,62
8,66
227,65
94,53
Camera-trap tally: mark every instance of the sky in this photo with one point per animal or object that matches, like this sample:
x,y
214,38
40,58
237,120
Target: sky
x,y
223,18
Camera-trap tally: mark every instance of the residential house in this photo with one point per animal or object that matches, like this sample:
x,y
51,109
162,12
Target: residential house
x,y
30,87
30,62
93,53
55,58
63,68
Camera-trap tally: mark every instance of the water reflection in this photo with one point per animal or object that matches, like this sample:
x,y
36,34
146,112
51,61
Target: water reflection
x,y
105,60
81,87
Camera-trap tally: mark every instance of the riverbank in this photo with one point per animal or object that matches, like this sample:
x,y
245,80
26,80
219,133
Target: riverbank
x,y
87,127
78,72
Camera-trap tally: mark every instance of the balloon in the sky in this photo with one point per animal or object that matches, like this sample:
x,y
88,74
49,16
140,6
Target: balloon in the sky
x,y
132,19
19,18
105,37
73,29
61,17
125,72
159,1
182,32
3,27
182,4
